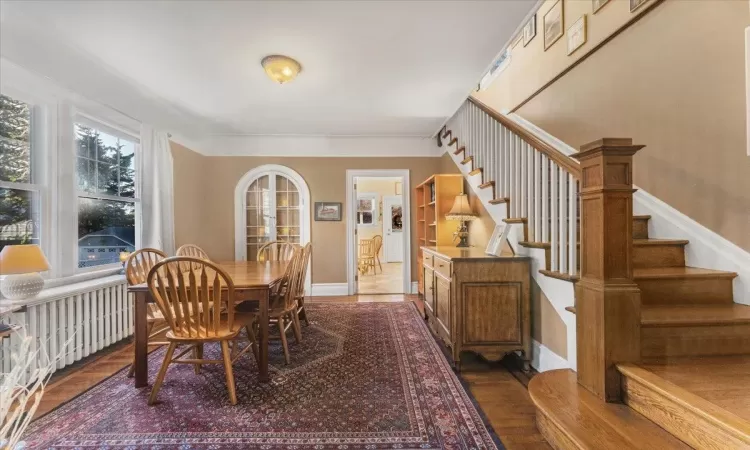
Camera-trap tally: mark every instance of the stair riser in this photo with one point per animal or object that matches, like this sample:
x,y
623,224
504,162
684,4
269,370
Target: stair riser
x,y
693,429
686,291
646,256
712,340
554,436
640,228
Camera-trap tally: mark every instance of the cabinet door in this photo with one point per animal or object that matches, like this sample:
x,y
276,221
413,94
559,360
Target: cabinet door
x,y
429,290
443,303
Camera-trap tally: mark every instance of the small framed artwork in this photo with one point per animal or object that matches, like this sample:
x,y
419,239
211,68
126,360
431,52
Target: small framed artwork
x,y
553,24
498,239
529,30
598,4
635,4
328,211
577,34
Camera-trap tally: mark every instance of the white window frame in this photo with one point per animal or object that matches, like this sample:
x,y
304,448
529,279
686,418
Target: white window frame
x,y
375,209
42,167
80,117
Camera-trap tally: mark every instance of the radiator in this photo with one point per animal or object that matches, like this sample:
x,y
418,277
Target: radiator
x,y
73,321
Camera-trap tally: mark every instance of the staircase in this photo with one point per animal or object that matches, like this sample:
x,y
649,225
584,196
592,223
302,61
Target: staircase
x,y
691,385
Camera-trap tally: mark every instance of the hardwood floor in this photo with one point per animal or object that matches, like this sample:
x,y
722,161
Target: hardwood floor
x,y
501,396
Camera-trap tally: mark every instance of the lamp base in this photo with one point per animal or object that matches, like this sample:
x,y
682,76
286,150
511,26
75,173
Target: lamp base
x,y
462,234
21,286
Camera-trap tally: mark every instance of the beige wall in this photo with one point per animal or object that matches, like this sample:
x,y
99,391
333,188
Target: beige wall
x,y
673,81
209,220
381,187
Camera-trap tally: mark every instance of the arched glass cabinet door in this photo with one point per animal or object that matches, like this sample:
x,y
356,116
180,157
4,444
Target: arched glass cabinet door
x,y
274,209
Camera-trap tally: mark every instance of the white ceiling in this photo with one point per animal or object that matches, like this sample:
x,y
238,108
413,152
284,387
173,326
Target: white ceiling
x,y
372,68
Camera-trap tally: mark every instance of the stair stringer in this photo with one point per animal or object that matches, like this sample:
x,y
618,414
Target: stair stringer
x,y
560,293
707,249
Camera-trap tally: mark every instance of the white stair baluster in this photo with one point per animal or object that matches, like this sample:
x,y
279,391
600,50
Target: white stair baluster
x,y
537,196
530,191
554,232
573,227
563,203
545,199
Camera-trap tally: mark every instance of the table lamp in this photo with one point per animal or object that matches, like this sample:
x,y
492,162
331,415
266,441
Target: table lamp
x,y
462,212
21,265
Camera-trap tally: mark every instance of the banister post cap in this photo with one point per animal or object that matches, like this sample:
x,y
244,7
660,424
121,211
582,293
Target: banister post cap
x,y
609,146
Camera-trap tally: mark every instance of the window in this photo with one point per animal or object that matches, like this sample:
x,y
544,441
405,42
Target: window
x,y
19,192
367,209
107,197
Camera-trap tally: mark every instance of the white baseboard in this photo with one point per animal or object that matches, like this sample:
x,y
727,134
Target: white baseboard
x,y
706,248
544,359
415,287
329,289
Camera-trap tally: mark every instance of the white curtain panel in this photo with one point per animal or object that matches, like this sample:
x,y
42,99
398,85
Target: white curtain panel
x,y
157,195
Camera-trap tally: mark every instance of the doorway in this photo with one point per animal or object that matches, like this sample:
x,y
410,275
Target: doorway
x,y
378,238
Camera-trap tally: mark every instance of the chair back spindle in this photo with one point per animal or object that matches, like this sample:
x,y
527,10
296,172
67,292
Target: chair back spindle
x,y
276,251
140,262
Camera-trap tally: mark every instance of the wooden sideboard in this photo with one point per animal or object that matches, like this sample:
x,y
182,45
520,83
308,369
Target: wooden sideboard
x,y
477,302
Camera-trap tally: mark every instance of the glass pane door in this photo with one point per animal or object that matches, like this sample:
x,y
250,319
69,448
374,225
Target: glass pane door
x,y
273,211
287,210
259,221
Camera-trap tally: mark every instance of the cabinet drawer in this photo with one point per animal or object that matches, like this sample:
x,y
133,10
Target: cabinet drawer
x,y
427,259
442,267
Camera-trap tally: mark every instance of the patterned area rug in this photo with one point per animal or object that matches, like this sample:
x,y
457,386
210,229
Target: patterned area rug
x,y
366,376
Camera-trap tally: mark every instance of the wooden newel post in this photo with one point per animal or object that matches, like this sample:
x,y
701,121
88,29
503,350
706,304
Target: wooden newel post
x,y
608,302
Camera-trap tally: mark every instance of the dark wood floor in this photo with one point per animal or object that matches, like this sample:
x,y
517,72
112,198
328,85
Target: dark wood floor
x,y
501,394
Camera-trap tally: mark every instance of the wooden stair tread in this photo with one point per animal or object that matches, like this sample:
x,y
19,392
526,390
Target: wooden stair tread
x,y
687,315
587,422
646,242
721,380
679,272
705,401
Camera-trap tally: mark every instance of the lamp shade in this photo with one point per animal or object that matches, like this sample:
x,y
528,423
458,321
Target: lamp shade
x,y
15,259
461,209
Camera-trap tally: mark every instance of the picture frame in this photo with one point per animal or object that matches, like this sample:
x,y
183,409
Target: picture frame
x,y
635,4
598,4
529,30
554,24
498,239
328,211
577,34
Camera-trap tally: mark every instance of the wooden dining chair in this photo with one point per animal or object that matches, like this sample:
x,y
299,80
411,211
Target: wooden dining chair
x,y
197,311
377,245
193,251
306,256
366,258
137,267
276,251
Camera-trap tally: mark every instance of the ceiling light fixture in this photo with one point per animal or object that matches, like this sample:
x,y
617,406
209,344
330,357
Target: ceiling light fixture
x,y
280,68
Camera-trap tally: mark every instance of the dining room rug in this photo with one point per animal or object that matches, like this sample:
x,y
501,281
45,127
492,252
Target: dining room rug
x,y
365,376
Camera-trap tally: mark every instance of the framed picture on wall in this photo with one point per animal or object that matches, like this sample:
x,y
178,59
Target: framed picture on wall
x,y
529,30
577,34
598,4
553,24
328,211
635,4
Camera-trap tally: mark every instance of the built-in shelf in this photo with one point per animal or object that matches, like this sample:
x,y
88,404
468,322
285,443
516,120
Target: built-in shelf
x,y
432,224
432,241
421,206
432,203
421,239
420,220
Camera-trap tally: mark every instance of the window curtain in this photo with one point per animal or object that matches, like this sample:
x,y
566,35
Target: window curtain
x,y
157,194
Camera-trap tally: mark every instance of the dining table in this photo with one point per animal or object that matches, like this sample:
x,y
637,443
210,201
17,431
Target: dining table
x,y
253,280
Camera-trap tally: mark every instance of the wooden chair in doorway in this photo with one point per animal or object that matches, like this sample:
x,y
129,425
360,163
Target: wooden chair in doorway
x,y
276,251
377,245
197,310
137,267
366,259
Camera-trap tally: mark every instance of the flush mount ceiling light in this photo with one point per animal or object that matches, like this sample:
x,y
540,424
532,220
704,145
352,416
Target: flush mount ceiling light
x,y
280,68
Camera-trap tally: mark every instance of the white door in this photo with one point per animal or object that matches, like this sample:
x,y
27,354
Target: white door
x,y
393,232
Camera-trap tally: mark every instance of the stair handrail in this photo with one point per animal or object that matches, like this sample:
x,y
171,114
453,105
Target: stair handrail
x,y
563,160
